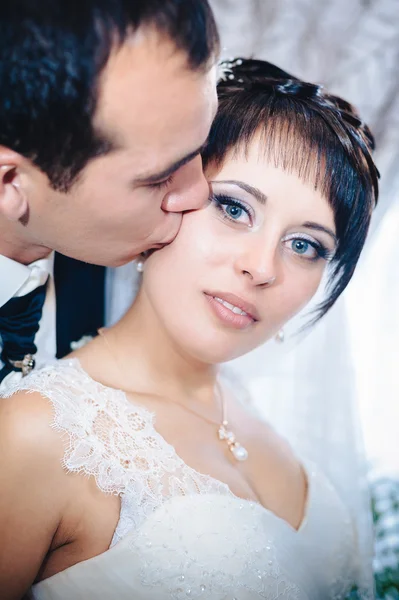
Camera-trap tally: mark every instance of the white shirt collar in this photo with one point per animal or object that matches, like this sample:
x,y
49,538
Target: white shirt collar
x,y
17,279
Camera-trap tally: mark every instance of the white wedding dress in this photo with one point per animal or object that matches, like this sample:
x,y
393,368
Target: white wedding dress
x,y
182,534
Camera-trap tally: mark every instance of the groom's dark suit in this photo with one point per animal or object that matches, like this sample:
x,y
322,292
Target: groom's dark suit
x,y
55,301
80,300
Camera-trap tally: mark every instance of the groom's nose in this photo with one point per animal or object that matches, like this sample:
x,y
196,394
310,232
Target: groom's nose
x,y
190,189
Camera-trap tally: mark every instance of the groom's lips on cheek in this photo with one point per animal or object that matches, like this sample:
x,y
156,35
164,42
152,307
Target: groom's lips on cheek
x,y
160,245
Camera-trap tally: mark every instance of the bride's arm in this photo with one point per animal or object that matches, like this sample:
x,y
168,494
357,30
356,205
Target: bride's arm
x,y
31,490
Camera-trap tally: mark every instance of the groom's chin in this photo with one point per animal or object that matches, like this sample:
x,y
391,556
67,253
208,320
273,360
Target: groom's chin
x,y
121,261
135,253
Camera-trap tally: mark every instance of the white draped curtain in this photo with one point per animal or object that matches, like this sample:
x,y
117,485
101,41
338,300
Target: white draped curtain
x,y
351,46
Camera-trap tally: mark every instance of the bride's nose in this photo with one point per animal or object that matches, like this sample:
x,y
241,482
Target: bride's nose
x,y
259,262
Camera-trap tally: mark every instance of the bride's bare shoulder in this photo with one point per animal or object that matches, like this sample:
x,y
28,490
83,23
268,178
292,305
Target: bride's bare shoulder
x,y
33,485
26,431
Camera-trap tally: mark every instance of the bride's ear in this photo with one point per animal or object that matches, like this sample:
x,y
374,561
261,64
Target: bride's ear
x,y
13,200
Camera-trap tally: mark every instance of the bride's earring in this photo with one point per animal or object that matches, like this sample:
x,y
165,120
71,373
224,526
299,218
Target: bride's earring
x,y
140,264
280,336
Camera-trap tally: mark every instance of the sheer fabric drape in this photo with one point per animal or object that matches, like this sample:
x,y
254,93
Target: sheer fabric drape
x,y
353,48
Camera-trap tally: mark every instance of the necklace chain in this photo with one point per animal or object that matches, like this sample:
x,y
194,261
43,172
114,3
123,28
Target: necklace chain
x,y
238,451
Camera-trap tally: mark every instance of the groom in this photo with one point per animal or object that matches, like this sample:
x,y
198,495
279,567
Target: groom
x,y
105,105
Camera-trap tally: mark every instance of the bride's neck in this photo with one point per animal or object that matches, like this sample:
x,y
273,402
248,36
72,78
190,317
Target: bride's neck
x,y
149,361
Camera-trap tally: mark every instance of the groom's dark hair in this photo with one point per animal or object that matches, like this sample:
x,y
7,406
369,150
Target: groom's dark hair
x,y
52,53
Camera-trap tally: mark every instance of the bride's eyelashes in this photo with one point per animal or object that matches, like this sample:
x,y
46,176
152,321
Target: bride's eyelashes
x,y
307,247
233,210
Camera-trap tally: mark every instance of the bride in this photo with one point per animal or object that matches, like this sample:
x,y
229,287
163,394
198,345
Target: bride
x,y
132,469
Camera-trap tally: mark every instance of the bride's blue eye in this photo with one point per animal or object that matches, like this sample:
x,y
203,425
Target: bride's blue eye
x,y
309,249
233,210
300,246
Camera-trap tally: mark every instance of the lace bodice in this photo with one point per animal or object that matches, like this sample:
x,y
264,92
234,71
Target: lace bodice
x,y
182,534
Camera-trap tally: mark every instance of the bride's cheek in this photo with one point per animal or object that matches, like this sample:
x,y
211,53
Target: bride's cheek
x,y
219,242
199,243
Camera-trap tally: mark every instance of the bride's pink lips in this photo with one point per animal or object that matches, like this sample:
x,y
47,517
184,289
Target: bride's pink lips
x,y
226,315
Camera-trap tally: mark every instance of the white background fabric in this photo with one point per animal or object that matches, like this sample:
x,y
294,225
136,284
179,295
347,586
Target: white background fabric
x,y
351,46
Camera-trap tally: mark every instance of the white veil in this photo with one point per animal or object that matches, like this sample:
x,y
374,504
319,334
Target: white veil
x,y
284,381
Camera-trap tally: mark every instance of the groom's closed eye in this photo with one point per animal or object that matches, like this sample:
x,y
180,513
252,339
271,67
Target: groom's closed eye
x,y
163,177
161,184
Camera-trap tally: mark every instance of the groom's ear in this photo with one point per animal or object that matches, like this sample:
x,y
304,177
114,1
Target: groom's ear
x,y
13,199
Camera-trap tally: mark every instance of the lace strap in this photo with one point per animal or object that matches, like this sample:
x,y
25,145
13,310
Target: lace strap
x,y
107,437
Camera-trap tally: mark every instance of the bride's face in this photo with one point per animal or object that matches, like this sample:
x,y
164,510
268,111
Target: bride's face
x,y
243,266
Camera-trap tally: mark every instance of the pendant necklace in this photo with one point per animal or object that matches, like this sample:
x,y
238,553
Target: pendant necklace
x,y
239,452
224,433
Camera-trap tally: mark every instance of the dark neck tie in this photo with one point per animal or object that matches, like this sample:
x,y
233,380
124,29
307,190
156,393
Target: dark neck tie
x,y
19,323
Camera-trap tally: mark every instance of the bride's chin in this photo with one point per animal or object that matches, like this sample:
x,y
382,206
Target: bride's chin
x,y
201,341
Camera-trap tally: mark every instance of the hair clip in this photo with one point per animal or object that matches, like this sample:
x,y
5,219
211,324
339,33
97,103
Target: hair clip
x,y
225,69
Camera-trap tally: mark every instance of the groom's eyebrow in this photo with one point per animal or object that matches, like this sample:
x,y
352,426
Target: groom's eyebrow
x,y
168,171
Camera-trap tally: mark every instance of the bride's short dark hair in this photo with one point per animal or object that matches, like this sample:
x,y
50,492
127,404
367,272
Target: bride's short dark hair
x,y
309,132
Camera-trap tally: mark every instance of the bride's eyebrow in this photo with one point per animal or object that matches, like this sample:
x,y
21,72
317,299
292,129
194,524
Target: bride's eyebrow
x,y
253,191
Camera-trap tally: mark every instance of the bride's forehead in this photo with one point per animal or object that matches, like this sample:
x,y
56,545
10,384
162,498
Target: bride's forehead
x,y
286,146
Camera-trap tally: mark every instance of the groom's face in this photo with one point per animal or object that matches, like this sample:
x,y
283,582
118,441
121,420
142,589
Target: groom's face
x,y
156,112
